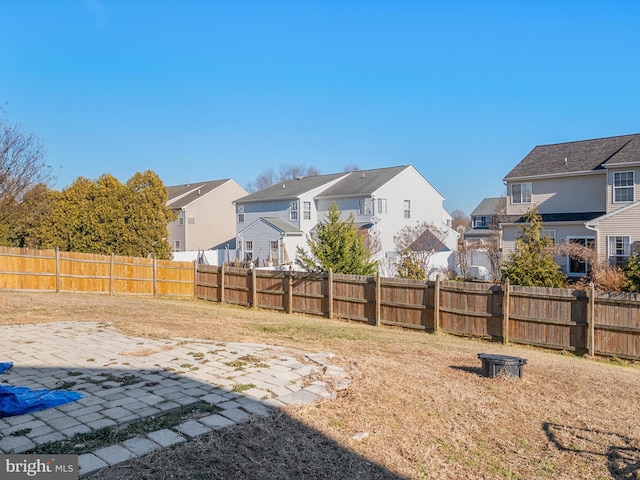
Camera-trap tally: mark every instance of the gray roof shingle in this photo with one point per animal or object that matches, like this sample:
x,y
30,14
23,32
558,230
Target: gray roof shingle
x,y
182,195
581,156
490,206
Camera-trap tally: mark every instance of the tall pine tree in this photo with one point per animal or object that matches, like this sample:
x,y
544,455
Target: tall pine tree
x,y
337,246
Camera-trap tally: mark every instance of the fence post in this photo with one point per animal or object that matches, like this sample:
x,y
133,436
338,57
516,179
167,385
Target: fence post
x,y
378,300
222,283
254,290
436,306
591,320
290,292
505,312
155,277
330,288
57,269
111,275
195,279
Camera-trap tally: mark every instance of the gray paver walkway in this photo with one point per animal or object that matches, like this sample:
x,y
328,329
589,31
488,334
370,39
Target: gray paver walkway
x,y
125,379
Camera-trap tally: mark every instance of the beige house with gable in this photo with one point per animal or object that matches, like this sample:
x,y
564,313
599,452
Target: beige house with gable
x,y
206,215
586,191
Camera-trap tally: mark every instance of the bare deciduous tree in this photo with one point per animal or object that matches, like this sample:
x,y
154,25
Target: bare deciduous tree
x,y
22,166
604,276
285,172
459,218
415,246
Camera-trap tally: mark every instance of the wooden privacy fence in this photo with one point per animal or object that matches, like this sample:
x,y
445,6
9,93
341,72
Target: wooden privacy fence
x,y
55,271
599,323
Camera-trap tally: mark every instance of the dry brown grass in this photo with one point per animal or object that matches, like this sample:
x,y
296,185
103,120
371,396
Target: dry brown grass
x,y
428,412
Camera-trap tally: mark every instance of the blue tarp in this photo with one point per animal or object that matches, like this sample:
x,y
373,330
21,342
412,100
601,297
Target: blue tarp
x,y
20,400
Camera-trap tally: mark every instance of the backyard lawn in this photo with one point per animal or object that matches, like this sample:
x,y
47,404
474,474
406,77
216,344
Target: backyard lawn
x,y
417,406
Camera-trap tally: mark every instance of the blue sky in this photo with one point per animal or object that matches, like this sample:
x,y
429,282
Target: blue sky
x,y
203,90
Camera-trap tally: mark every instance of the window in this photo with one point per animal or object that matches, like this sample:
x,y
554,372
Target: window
x,y
293,211
480,222
521,193
382,205
248,250
364,207
191,217
550,234
273,251
407,209
619,251
176,246
623,186
240,210
181,217
576,267
307,210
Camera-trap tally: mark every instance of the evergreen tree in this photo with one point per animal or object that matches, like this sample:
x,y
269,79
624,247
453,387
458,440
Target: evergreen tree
x,y
532,264
632,274
106,216
338,247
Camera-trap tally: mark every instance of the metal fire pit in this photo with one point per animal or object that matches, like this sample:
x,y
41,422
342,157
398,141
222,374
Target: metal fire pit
x,y
493,365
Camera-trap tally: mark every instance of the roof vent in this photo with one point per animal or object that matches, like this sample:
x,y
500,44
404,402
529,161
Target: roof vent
x,y
198,191
283,185
362,174
565,160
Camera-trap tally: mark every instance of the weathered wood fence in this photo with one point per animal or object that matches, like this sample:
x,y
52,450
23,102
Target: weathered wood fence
x,y
598,323
55,271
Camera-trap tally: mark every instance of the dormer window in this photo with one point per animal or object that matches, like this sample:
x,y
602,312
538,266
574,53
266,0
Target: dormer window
x,y
480,221
521,193
623,183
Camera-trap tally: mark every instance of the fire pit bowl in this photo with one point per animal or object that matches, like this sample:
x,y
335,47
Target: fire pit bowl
x,y
493,365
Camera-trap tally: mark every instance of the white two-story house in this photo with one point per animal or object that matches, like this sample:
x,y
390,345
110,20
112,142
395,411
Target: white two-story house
x,y
273,222
586,192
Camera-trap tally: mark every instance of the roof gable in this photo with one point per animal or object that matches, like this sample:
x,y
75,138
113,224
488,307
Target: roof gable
x,y
182,195
362,182
574,157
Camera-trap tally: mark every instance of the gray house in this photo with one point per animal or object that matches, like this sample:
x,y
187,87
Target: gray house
x,y
485,222
586,192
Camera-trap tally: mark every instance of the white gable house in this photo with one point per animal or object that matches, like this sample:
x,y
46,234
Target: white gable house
x,y
273,222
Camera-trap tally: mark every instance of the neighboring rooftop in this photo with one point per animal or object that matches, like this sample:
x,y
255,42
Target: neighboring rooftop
x,y
580,156
490,206
182,195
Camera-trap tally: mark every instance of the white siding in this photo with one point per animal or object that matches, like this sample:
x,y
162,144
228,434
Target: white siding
x,y
583,193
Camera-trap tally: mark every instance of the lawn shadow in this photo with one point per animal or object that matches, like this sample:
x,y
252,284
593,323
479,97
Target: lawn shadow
x,y
474,370
266,443
622,452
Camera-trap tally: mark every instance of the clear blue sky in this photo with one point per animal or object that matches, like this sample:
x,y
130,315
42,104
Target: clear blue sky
x,y
203,90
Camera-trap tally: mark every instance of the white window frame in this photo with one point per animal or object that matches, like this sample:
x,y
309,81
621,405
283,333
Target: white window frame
x,y
175,247
382,206
618,250
524,195
480,221
364,206
293,211
624,186
306,213
240,210
274,251
248,250
407,208
587,241
181,217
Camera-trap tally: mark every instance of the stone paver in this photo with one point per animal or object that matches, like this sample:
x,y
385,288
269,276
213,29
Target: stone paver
x,y
121,386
